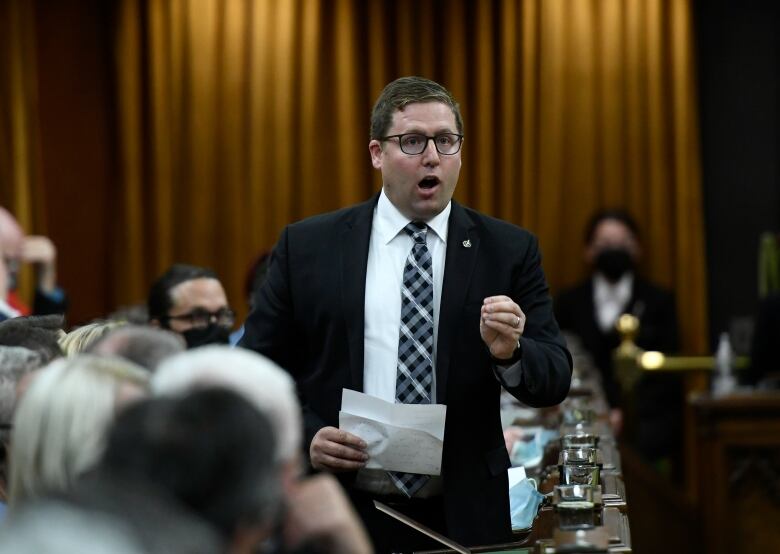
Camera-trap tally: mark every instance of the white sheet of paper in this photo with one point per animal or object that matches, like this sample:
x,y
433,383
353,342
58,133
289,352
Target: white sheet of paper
x,y
516,474
400,437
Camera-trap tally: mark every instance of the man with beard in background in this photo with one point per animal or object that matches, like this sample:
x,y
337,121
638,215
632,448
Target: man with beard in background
x,y
190,301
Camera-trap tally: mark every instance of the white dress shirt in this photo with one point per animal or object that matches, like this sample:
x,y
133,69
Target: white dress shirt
x,y
388,250
611,299
8,311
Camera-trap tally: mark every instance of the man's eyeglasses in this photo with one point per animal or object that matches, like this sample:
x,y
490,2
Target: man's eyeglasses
x,y
200,318
416,143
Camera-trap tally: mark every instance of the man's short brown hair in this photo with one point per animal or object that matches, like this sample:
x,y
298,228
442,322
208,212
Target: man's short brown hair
x,y
409,90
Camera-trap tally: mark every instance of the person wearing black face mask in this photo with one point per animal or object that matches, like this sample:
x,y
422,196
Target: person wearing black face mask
x,y
614,262
191,301
590,311
204,330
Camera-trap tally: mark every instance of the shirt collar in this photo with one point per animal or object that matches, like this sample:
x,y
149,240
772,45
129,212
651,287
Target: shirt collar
x,y
603,290
389,221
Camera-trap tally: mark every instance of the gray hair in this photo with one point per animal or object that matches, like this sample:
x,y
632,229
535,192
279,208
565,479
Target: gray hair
x,y
56,527
108,515
264,384
143,345
36,332
15,361
61,422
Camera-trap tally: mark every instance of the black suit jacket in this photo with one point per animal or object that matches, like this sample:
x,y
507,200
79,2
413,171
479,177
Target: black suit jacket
x,y
766,333
310,320
657,398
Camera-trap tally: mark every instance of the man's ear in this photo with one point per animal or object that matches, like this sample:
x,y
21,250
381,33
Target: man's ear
x,y
375,148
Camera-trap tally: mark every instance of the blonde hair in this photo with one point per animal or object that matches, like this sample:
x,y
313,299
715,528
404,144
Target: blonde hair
x,y
81,338
61,422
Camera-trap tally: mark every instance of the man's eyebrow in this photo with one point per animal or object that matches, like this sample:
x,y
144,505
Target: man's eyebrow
x,y
418,131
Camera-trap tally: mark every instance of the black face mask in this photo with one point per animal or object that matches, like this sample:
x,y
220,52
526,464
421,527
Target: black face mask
x,y
614,263
213,334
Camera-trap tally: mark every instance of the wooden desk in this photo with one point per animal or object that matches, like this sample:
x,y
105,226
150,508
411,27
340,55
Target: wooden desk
x,y
736,468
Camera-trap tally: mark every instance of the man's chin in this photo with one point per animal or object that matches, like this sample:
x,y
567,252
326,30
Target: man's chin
x,y
426,211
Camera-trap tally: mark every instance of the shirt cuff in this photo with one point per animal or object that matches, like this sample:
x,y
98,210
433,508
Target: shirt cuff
x,y
509,375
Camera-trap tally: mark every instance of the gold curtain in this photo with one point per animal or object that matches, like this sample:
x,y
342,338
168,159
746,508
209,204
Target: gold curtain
x,y
237,117
20,184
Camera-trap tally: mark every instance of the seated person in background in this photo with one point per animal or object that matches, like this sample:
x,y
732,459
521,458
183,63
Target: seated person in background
x,y
318,512
54,527
191,301
590,311
210,451
61,420
16,249
764,370
162,486
80,338
144,346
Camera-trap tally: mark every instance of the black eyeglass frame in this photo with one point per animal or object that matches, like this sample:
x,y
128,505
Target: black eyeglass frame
x,y
427,138
190,317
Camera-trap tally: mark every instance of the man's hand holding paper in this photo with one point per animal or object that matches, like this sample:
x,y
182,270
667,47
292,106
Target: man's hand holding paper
x,y
399,437
336,450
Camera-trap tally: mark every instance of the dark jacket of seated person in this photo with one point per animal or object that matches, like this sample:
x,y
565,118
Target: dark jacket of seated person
x,y
764,365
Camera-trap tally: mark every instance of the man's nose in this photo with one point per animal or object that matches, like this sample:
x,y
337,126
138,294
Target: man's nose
x,y
430,154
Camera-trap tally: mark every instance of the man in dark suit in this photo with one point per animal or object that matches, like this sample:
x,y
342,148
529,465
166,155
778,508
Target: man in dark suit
x,y
763,371
590,311
362,299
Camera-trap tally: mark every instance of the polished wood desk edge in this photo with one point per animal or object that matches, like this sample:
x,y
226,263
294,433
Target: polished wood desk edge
x,y
739,401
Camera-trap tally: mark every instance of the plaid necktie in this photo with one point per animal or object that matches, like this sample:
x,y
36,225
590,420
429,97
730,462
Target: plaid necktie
x,y
414,380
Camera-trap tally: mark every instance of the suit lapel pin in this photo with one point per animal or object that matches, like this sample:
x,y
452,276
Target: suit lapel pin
x,y
466,243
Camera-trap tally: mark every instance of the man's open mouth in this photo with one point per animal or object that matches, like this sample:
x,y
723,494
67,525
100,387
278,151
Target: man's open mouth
x,y
428,183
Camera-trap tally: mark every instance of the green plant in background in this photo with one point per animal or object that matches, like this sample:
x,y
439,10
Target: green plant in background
x,y
768,265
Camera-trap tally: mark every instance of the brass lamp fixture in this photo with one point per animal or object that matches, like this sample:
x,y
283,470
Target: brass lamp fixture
x,y
631,361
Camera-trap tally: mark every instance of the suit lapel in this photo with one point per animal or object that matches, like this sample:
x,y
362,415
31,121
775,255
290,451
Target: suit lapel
x,y
462,250
355,237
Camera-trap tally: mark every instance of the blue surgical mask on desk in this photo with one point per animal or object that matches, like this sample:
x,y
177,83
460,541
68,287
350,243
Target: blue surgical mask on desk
x,y
524,502
528,451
